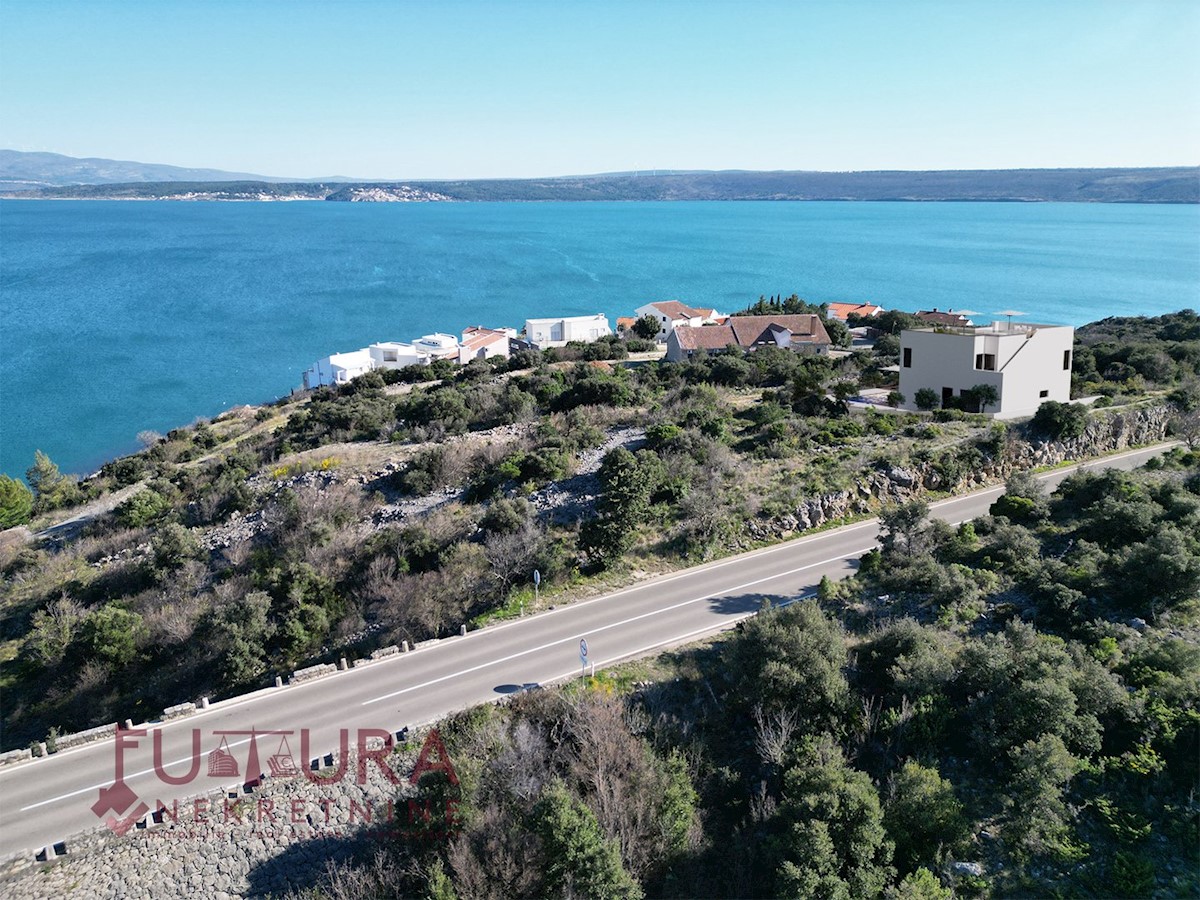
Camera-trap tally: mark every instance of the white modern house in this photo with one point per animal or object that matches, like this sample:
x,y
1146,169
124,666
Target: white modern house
x,y
484,343
338,368
672,314
1026,364
543,333
396,355
437,346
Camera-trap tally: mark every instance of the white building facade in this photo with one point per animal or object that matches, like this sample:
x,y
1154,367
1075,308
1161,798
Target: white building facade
x,y
1026,364
672,314
543,333
338,368
484,343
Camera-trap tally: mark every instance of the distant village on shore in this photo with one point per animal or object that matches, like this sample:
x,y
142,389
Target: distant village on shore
x,y
1009,368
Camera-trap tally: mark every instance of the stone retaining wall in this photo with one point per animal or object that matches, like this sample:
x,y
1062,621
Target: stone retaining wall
x,y
99,733
15,756
1108,431
308,674
271,850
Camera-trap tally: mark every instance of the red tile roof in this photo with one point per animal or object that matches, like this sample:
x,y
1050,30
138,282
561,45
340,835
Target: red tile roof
x,y
749,331
673,309
706,337
938,317
844,310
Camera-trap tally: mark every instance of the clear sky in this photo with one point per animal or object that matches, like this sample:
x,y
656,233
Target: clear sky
x,y
453,88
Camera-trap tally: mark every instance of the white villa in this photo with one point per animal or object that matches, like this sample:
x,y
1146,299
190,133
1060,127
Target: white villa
x,y
1026,364
484,343
543,333
338,368
671,314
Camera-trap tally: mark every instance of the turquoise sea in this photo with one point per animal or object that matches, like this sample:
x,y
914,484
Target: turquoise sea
x,y
124,316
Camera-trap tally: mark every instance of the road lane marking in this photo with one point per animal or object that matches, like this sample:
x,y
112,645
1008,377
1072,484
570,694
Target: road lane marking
x,y
495,662
96,787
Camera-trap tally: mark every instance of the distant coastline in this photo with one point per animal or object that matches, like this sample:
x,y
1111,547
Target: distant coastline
x,y
1174,185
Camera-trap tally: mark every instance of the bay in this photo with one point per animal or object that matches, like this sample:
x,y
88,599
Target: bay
x,y
124,316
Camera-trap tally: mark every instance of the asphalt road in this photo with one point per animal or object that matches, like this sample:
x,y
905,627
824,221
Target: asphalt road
x,y
48,800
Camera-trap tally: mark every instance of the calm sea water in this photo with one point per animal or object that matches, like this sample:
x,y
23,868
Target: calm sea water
x,y
124,316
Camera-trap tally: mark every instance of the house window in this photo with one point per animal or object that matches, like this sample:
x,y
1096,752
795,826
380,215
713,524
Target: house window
x,y
1066,360
1043,393
908,357
985,361
947,395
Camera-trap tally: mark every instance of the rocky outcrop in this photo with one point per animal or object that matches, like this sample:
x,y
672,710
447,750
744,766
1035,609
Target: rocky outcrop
x,y
1107,432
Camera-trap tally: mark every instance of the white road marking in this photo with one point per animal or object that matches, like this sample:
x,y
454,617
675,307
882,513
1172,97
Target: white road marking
x,y
495,662
96,787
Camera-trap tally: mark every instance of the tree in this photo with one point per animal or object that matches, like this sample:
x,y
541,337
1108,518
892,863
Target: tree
x,y
50,487
112,634
142,508
173,546
921,885
902,525
985,395
926,399
1060,421
240,629
793,658
628,482
16,502
1038,815
647,327
580,861
922,815
834,843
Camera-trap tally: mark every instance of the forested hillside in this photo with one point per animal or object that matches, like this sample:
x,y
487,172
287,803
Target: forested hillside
x,y
1004,708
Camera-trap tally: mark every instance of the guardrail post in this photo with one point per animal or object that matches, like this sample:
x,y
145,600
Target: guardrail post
x,y
342,664
404,646
278,681
463,631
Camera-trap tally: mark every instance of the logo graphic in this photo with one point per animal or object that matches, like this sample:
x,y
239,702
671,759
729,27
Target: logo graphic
x,y
221,763
121,809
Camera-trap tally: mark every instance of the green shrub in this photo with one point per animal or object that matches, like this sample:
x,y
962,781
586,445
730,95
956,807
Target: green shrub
x,y
142,508
16,502
1060,421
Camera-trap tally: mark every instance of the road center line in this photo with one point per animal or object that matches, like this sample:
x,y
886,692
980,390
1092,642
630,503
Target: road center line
x,y
96,787
654,612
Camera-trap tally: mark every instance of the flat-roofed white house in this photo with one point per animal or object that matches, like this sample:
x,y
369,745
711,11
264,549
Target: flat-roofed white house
x,y
543,333
437,346
338,368
396,355
484,343
1027,364
671,314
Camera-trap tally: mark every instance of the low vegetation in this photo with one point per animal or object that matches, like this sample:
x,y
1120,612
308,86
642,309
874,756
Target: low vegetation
x,y
1004,708
408,503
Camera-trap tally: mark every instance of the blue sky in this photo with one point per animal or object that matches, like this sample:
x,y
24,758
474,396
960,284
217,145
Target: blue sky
x,y
478,89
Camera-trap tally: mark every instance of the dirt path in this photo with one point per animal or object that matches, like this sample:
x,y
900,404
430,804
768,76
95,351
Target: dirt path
x,y
71,526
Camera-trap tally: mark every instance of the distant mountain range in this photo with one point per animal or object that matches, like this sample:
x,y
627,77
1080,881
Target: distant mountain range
x,y
49,175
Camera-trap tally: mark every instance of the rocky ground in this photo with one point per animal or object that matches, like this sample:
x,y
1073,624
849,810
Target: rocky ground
x,y
278,837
